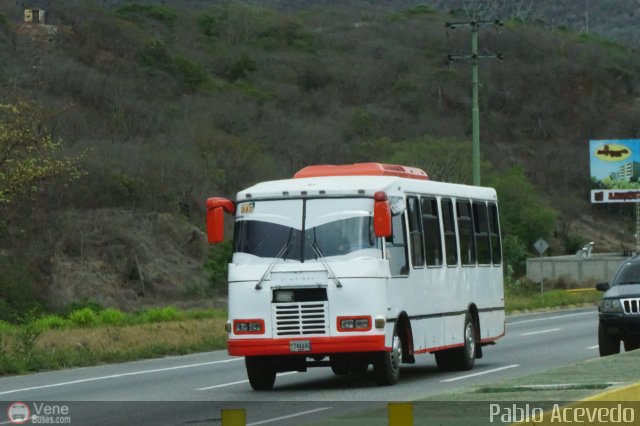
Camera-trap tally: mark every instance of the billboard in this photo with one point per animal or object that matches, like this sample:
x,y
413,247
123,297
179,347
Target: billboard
x,y
615,170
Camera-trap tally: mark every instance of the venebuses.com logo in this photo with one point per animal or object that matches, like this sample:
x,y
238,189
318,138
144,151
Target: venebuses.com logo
x,y
18,413
38,413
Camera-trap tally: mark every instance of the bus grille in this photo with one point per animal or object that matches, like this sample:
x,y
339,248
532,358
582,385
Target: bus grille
x,y
631,306
294,319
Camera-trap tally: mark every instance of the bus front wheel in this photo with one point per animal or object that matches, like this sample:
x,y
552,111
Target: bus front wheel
x,y
261,372
386,365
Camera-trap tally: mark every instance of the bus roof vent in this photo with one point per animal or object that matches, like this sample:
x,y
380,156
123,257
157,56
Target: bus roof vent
x,y
361,169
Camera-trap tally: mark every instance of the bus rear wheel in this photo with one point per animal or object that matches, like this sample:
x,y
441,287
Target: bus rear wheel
x,y
464,357
261,372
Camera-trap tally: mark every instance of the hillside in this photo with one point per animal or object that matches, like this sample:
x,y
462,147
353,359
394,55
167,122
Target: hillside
x,y
169,103
614,19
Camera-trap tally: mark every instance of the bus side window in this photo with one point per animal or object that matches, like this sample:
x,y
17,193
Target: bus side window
x,y
481,228
396,247
415,233
449,226
465,231
432,231
494,235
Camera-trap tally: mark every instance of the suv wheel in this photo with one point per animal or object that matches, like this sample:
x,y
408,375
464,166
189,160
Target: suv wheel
x,y
608,345
631,343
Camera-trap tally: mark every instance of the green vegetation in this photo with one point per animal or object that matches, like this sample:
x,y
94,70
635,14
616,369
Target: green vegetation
x,y
523,295
553,299
29,154
137,13
85,337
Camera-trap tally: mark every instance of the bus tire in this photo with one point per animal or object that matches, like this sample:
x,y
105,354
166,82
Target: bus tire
x,y
607,344
443,360
359,367
261,372
464,357
386,365
339,365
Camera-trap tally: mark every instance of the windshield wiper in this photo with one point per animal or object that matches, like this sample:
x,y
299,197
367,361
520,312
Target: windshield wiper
x,y
281,254
316,249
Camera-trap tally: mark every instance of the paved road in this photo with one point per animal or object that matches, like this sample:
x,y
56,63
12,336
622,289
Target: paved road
x,y
193,388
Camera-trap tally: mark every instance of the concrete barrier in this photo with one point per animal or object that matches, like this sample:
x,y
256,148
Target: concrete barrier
x,y
583,271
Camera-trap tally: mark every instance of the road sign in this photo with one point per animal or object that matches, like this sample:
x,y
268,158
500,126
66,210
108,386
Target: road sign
x,y
541,246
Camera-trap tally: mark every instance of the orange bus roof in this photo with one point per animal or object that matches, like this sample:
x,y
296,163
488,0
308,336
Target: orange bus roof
x,y
361,169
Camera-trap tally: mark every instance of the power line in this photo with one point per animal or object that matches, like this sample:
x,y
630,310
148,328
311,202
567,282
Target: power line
x,y
474,57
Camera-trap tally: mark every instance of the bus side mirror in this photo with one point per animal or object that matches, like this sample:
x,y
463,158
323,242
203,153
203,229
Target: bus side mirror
x,y
381,215
216,207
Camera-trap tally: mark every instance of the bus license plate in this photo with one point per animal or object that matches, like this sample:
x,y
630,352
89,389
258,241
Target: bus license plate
x,y
300,346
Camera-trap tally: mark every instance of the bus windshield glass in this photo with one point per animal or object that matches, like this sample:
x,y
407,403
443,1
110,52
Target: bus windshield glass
x,y
335,226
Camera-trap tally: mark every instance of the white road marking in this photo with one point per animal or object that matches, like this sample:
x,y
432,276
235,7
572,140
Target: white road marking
x,y
550,330
550,318
224,385
290,416
480,373
115,376
593,347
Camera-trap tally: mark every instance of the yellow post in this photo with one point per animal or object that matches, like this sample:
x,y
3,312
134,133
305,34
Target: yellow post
x,y
233,417
400,414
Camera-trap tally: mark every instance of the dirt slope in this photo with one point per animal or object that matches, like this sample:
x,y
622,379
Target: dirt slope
x,y
128,260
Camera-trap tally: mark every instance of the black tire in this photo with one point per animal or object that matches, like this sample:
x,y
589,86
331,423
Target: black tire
x,y
339,365
631,343
359,367
261,372
607,344
443,359
386,365
464,357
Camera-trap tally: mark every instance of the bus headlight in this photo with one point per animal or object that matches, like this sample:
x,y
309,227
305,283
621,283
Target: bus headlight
x,y
610,305
280,296
250,326
354,323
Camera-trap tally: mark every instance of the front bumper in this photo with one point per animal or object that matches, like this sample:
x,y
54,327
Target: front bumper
x,y
620,324
318,345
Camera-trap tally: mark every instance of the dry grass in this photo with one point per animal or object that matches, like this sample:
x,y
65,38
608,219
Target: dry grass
x,y
88,346
129,338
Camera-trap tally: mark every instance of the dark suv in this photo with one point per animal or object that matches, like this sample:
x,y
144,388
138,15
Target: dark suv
x,y
619,310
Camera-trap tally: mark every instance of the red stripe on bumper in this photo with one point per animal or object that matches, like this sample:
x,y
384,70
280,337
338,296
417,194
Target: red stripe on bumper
x,y
319,345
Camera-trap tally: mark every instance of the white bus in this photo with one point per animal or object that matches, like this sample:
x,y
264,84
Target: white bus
x,y
352,265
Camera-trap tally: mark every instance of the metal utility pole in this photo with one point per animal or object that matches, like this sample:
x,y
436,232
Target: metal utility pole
x,y
474,57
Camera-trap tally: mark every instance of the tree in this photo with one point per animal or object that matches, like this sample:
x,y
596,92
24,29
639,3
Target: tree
x,y
29,155
524,213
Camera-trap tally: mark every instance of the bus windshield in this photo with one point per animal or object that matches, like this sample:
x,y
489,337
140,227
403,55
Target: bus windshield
x,y
336,227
